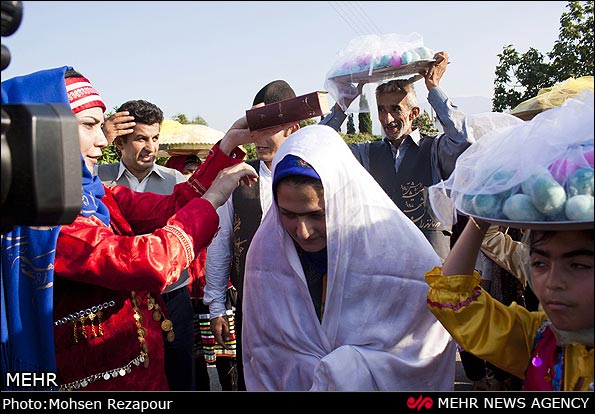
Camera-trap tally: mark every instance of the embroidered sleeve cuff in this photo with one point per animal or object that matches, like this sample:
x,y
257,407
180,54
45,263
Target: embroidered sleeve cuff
x,y
185,241
452,292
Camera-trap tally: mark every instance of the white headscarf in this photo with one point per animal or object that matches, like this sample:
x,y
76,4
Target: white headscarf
x,y
376,332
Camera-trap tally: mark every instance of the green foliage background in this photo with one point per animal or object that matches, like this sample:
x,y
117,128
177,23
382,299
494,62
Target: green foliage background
x,y
519,76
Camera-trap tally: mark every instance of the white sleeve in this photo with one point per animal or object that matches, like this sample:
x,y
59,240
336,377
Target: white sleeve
x,y
218,263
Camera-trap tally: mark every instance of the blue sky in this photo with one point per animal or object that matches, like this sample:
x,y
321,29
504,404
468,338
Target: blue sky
x,y
210,58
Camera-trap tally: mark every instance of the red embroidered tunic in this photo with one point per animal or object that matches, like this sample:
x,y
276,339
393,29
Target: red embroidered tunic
x,y
108,320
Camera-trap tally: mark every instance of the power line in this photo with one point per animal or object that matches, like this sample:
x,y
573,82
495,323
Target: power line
x,y
357,16
352,25
377,29
354,17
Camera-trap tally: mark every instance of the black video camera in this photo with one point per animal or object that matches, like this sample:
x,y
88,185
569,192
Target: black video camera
x,y
41,161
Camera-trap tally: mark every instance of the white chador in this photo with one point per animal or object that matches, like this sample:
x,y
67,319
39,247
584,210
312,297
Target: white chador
x,y
376,331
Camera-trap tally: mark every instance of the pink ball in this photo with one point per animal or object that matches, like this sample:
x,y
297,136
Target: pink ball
x,y
564,168
363,60
395,60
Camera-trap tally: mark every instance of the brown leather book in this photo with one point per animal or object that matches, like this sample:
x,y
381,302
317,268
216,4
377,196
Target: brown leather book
x,y
290,110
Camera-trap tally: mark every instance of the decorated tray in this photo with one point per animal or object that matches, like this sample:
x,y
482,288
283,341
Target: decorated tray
x,y
389,72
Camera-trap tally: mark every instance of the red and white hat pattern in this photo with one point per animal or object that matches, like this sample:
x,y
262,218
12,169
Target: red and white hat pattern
x,y
82,95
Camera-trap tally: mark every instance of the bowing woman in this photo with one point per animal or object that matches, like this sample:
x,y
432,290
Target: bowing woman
x,y
334,293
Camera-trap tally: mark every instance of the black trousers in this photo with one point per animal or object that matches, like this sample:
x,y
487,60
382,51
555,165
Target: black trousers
x,y
179,354
238,326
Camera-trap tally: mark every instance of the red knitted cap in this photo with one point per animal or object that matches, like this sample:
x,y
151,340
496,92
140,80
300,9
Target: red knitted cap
x,y
82,95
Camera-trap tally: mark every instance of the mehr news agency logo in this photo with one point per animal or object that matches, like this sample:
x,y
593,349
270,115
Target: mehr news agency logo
x,y
426,403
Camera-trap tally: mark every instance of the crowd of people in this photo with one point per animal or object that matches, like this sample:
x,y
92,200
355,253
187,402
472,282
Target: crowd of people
x,y
319,266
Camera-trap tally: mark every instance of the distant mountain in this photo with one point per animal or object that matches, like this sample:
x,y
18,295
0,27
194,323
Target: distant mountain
x,y
468,104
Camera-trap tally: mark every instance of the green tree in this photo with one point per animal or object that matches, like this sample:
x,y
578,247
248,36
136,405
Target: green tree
x,y
181,118
359,138
307,122
364,118
110,155
350,124
425,124
250,151
199,120
520,76
572,55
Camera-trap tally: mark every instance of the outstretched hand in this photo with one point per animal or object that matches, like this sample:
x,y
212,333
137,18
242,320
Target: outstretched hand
x,y
228,180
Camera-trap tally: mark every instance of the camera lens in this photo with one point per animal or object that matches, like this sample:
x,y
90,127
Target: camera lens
x,y
12,14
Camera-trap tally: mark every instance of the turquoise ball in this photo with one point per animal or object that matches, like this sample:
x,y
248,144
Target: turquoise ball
x,y
467,204
385,60
547,195
406,57
424,53
519,207
580,182
488,205
501,179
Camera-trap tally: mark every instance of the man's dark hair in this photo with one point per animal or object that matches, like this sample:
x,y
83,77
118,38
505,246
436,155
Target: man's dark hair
x,y
276,91
144,112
